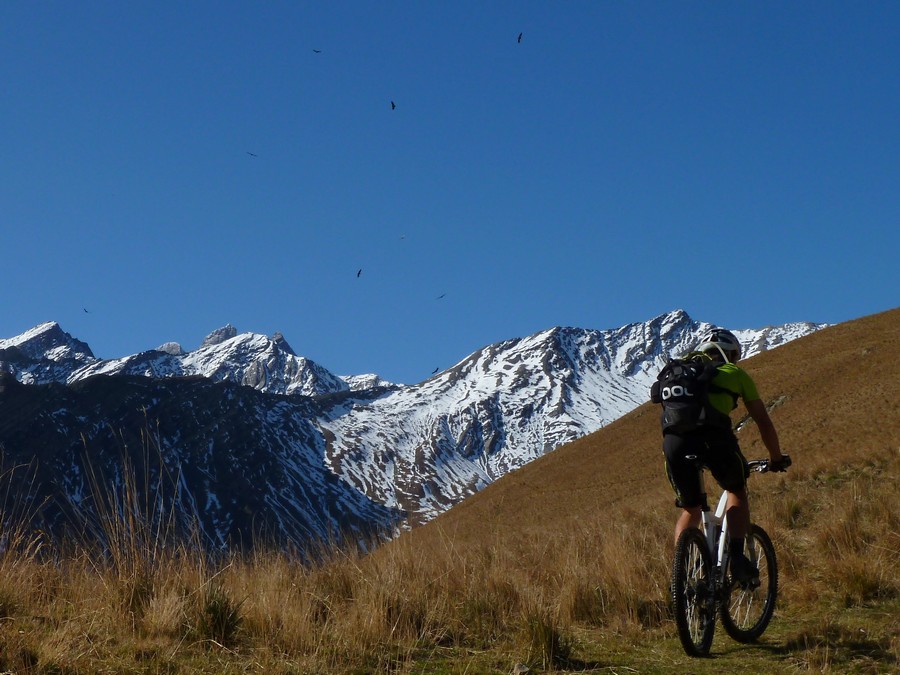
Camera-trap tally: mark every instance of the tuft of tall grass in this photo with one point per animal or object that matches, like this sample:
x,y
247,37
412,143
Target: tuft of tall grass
x,y
132,529
616,572
133,519
217,617
546,645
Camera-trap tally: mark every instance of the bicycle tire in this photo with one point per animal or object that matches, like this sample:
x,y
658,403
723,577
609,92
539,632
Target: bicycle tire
x,y
746,611
692,593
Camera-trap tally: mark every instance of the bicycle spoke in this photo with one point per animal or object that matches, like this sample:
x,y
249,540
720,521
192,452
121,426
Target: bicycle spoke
x,y
748,609
696,601
742,606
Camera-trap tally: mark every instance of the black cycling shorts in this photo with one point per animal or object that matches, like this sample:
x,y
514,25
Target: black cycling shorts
x,y
719,452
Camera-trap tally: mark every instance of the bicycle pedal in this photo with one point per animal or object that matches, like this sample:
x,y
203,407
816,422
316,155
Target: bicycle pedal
x,y
747,584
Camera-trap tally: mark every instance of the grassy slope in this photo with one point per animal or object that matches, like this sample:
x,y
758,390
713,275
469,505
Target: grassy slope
x,y
834,399
562,565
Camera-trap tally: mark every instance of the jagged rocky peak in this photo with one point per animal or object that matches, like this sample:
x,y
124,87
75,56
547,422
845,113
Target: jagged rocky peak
x,y
282,344
219,336
48,340
670,321
172,348
228,332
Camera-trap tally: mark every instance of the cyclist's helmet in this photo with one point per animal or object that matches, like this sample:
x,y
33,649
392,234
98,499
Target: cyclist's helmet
x,y
719,341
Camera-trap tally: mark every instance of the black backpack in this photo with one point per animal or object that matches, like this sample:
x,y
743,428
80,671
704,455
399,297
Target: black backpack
x,y
682,387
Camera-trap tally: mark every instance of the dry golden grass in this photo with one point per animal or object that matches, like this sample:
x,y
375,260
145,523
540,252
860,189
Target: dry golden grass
x,y
562,565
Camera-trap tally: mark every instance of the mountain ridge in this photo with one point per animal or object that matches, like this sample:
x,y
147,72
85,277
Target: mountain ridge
x,y
408,452
830,396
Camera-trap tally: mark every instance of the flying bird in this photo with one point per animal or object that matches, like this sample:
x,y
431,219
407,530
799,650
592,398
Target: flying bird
x,y
435,370
317,51
85,310
393,106
359,272
251,154
520,38
440,296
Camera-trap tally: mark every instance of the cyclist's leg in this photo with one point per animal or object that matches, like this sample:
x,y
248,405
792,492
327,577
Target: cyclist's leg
x,y
684,478
729,468
738,511
690,517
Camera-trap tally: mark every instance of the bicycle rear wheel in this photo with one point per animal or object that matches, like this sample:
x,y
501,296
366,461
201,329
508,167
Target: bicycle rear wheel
x,y
747,608
692,593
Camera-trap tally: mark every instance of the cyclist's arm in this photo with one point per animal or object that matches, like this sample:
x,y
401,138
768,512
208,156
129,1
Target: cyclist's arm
x,y
767,431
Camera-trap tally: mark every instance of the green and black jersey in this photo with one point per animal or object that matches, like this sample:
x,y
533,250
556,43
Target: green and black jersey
x,y
736,380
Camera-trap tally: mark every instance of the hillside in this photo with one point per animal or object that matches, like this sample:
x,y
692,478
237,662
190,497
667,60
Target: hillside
x,y
573,550
834,397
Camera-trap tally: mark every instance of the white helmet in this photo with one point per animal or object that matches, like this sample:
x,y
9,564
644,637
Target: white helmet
x,y
722,342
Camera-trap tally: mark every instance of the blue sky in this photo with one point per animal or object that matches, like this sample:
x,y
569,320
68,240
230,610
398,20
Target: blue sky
x,y
173,167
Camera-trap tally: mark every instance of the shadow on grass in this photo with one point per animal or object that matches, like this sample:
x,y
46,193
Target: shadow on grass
x,y
832,645
578,665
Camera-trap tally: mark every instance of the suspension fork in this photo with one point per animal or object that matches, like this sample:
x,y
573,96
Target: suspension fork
x,y
710,529
721,540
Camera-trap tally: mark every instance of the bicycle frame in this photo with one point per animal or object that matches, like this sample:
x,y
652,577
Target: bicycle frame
x,y
715,529
715,526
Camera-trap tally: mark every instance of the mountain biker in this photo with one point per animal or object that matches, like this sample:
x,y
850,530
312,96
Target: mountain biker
x,y
718,449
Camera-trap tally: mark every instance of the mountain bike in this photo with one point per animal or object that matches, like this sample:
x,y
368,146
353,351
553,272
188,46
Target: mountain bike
x,y
703,586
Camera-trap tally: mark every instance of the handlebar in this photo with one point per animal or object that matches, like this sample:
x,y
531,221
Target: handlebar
x,y
762,465
757,465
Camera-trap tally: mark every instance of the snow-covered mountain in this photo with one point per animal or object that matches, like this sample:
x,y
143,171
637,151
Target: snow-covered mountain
x,y
346,451
44,354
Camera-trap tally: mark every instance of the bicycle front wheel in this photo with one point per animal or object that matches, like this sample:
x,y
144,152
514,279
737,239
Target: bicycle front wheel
x,y
747,608
692,593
